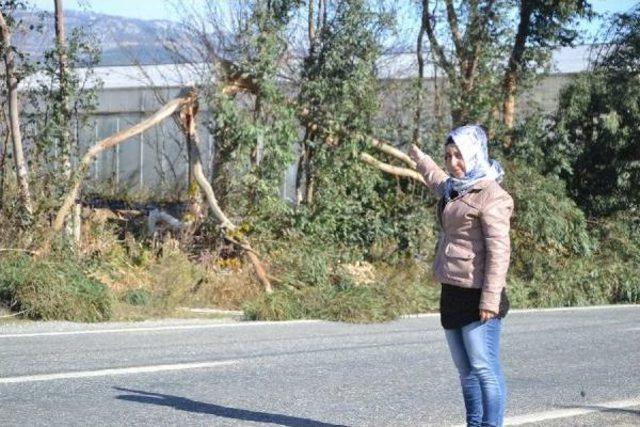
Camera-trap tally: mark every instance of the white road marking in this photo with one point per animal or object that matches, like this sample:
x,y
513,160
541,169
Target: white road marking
x,y
152,329
419,315
537,310
115,371
586,307
588,408
266,323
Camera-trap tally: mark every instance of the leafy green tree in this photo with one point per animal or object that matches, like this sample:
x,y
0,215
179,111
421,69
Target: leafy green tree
x,y
476,32
472,40
56,104
256,123
60,105
338,100
596,139
542,26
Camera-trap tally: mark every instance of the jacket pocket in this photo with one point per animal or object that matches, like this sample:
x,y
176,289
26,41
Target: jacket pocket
x,y
459,262
457,251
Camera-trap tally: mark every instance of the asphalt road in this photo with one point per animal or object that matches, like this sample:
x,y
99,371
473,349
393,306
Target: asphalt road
x,y
564,368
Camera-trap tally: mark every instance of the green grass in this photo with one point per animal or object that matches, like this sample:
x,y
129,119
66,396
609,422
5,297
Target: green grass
x,y
53,289
399,289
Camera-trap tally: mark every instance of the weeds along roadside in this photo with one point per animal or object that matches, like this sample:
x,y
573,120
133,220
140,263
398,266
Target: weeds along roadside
x,y
559,258
118,273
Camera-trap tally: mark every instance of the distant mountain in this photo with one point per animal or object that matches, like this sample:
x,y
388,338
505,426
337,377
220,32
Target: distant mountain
x,y
124,40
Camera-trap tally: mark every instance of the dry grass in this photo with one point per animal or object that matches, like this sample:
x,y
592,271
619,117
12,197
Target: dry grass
x,y
157,278
170,276
395,289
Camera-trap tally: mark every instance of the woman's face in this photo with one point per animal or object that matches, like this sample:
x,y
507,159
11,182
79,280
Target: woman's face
x,y
455,162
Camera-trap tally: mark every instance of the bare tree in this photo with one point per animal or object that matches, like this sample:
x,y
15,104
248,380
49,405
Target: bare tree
x,y
420,82
542,25
73,227
461,69
3,154
14,117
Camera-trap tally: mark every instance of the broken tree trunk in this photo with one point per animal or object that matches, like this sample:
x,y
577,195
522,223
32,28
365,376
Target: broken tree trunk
x,y
188,116
171,107
73,227
188,123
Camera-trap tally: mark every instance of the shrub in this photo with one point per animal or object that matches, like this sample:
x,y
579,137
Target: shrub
x,y
619,250
137,297
173,278
304,262
53,289
596,127
608,275
401,288
346,303
547,227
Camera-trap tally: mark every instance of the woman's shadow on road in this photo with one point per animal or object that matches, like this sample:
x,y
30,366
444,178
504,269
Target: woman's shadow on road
x,y
189,405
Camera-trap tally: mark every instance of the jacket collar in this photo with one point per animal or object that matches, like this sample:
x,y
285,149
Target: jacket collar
x,y
482,184
478,186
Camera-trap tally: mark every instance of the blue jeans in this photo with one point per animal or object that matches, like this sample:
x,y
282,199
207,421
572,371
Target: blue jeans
x,y
475,349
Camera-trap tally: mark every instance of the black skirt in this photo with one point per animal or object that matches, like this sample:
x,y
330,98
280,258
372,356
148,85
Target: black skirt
x,y
461,306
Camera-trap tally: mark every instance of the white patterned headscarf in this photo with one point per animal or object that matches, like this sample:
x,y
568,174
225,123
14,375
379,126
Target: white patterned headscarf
x,y
471,140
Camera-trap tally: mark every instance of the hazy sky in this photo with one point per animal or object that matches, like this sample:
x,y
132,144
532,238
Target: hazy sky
x,y
142,9
163,9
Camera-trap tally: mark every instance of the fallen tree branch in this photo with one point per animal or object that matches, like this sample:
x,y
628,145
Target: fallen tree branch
x,y
112,141
14,314
393,151
189,126
239,244
393,170
185,97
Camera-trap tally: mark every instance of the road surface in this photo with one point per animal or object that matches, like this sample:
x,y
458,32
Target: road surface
x,y
577,367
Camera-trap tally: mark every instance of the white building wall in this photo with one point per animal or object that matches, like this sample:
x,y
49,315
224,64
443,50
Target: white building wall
x,y
156,161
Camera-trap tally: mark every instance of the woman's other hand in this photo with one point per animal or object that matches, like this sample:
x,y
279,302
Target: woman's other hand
x,y
415,153
487,315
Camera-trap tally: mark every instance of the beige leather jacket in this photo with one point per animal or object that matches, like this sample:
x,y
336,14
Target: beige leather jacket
x,y
473,246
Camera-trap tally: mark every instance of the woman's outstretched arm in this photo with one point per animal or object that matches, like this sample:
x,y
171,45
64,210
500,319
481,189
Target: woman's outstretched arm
x,y
433,175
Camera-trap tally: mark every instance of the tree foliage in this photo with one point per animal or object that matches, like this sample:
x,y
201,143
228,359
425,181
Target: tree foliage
x,y
485,61
596,140
274,105
258,129
542,26
338,97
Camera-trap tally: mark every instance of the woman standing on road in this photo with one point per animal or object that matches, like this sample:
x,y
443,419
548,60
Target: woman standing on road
x,y
472,259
